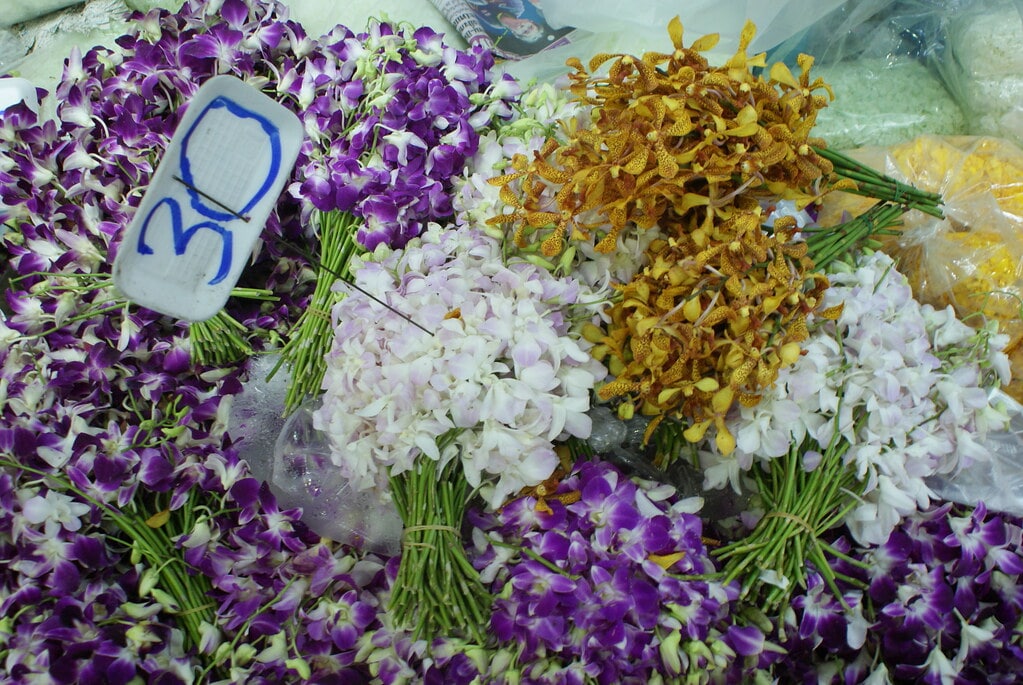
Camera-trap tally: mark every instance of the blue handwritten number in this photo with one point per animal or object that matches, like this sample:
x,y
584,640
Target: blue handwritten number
x,y
175,211
183,237
275,159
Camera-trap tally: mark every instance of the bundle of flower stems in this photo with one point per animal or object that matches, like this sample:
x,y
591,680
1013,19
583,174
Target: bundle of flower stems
x,y
437,591
800,506
311,338
871,183
894,198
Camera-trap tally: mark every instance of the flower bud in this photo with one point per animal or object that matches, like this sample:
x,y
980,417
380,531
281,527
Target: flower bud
x,y
720,647
670,654
210,638
501,661
692,309
789,353
494,231
567,258
136,553
222,652
140,611
300,666
697,650
537,260
592,333
167,600
148,581
243,654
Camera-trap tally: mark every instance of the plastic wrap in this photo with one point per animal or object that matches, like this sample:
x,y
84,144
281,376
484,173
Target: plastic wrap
x,y
881,102
998,482
15,12
973,258
776,20
881,59
984,67
293,458
45,43
304,476
610,26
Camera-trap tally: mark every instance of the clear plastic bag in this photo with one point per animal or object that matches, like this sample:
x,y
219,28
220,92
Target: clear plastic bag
x,y
882,102
776,20
45,42
638,26
934,66
998,482
882,59
983,67
304,476
973,258
13,12
293,458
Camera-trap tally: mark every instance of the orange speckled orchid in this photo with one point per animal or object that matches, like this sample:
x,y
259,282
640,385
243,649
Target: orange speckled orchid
x,y
693,150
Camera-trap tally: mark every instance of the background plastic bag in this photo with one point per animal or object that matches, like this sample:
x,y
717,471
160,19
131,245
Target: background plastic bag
x,y
882,59
776,20
36,50
997,483
973,258
640,26
983,67
18,11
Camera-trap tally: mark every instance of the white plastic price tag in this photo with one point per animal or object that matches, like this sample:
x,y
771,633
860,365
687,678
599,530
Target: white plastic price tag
x,y
208,200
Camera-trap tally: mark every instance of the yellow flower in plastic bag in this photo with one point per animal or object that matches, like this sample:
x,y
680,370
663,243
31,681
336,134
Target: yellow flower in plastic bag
x,y
972,259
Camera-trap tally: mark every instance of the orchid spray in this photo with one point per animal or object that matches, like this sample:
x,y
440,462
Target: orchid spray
x,y
471,404
394,114
939,601
603,579
890,393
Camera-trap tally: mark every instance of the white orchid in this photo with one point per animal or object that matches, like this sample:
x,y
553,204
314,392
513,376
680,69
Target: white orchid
x,y
907,385
499,377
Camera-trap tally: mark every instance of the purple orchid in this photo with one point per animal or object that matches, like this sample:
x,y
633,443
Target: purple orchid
x,y
597,585
105,412
932,604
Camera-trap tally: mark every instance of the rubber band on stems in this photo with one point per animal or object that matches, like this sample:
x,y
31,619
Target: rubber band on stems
x,y
415,529
792,517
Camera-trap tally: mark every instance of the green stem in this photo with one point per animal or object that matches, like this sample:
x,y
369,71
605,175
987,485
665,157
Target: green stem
x,y
801,507
437,591
829,244
872,183
310,340
535,556
221,340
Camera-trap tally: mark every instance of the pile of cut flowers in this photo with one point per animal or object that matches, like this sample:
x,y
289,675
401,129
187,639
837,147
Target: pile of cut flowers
x,y
549,325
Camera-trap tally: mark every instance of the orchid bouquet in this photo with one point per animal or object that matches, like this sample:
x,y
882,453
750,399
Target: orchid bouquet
x,y
887,395
476,398
394,115
938,601
609,582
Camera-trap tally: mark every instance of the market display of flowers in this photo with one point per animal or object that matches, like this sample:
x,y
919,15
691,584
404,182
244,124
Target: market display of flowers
x,y
520,310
